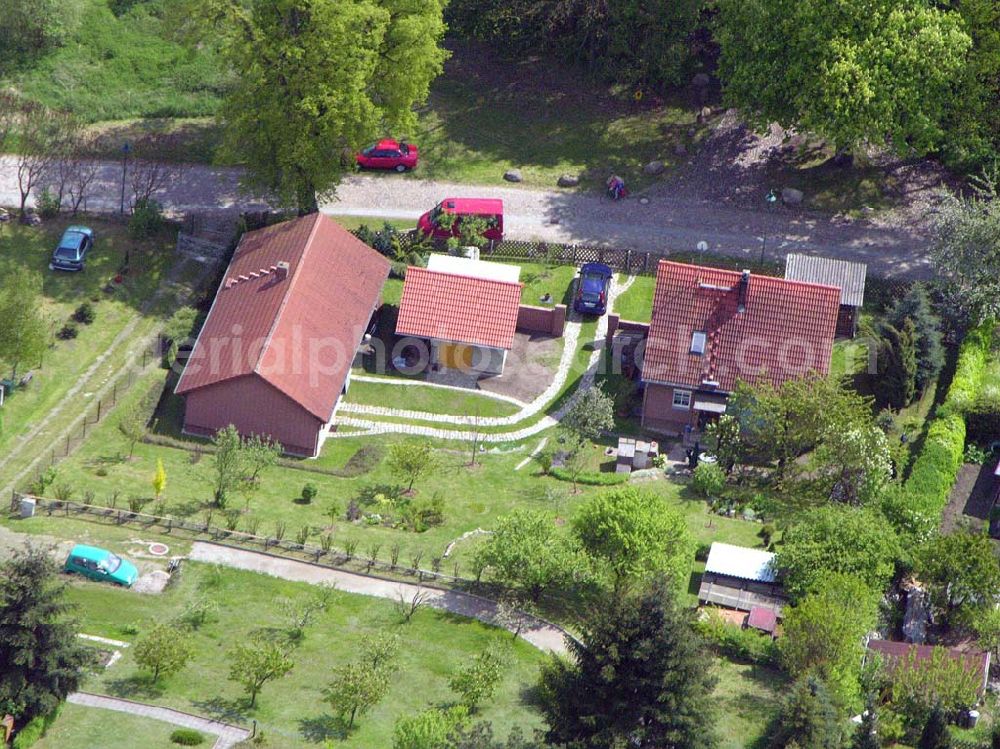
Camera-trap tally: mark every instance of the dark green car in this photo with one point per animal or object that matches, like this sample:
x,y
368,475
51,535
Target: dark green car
x,y
102,565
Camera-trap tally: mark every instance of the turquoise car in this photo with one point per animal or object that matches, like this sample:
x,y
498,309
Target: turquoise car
x,y
98,564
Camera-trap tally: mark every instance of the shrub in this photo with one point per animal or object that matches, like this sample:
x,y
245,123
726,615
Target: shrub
x,y
970,369
146,219
309,492
589,479
47,204
67,332
745,645
709,480
84,314
187,737
421,514
34,729
353,511
701,552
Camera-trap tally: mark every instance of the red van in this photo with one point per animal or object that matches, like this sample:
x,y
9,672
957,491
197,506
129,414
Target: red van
x,y
436,223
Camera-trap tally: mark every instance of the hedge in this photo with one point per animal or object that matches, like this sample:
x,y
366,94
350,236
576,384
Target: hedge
x,y
589,479
187,737
936,467
34,729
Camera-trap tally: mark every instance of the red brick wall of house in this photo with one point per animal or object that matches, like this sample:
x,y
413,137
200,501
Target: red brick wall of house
x,y
550,321
658,412
253,407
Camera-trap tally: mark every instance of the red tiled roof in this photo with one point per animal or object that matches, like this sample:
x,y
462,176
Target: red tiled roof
x,y
896,653
450,307
299,333
763,619
784,330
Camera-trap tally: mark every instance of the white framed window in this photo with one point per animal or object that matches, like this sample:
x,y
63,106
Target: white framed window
x,y
682,399
698,342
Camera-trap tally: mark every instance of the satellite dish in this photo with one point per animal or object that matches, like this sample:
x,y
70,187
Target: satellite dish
x,y
702,246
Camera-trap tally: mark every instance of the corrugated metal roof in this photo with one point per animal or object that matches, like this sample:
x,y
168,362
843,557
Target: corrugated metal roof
x,y
741,562
850,277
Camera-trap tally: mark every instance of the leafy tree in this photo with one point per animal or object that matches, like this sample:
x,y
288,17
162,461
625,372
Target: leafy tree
x,y
159,481
227,463
962,572
24,335
478,681
592,412
966,247
807,718
896,383
824,633
867,734
709,479
177,330
851,465
311,85
636,677
722,439
429,729
411,460
256,455
867,72
634,534
830,539
915,306
164,650
918,686
256,662
526,552
355,689
32,27
935,734
41,660
576,457
381,651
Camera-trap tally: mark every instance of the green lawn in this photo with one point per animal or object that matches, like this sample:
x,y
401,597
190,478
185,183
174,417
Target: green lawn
x,y
117,68
637,302
541,280
746,699
429,399
292,712
66,361
91,728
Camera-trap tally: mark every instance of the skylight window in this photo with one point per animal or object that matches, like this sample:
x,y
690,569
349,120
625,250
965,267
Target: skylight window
x,y
698,343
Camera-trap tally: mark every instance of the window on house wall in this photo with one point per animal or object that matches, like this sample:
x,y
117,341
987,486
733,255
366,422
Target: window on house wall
x,y
682,399
698,342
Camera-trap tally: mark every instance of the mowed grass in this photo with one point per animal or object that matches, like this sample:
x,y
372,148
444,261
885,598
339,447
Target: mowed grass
x,y
65,362
637,301
292,712
747,698
428,399
117,68
80,727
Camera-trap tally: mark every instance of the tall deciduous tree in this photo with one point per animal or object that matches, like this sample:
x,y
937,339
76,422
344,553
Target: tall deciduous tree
x,y
592,412
40,655
966,247
636,677
858,542
824,633
316,77
963,573
526,552
24,334
634,534
857,72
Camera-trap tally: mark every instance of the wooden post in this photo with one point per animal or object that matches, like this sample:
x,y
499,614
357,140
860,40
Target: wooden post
x,y
98,411
67,445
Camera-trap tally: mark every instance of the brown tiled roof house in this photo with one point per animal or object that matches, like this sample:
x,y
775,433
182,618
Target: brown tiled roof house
x,y
712,328
275,353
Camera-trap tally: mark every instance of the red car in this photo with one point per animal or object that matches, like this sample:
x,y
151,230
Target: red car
x,y
388,154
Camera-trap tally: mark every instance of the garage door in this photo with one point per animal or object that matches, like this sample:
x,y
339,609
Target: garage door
x,y
455,355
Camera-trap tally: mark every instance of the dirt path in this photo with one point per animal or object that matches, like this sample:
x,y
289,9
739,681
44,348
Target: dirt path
x,y
673,219
540,634
226,735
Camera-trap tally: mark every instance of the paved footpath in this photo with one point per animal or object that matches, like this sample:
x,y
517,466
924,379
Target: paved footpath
x,y
226,735
667,221
542,635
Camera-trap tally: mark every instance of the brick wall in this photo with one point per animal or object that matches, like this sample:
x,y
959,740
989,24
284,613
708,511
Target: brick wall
x,y
615,323
550,321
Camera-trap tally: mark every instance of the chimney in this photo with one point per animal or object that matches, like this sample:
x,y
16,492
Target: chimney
x,y
744,290
281,271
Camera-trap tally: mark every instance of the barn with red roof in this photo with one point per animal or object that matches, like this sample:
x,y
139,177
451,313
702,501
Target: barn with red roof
x,y
275,353
712,328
